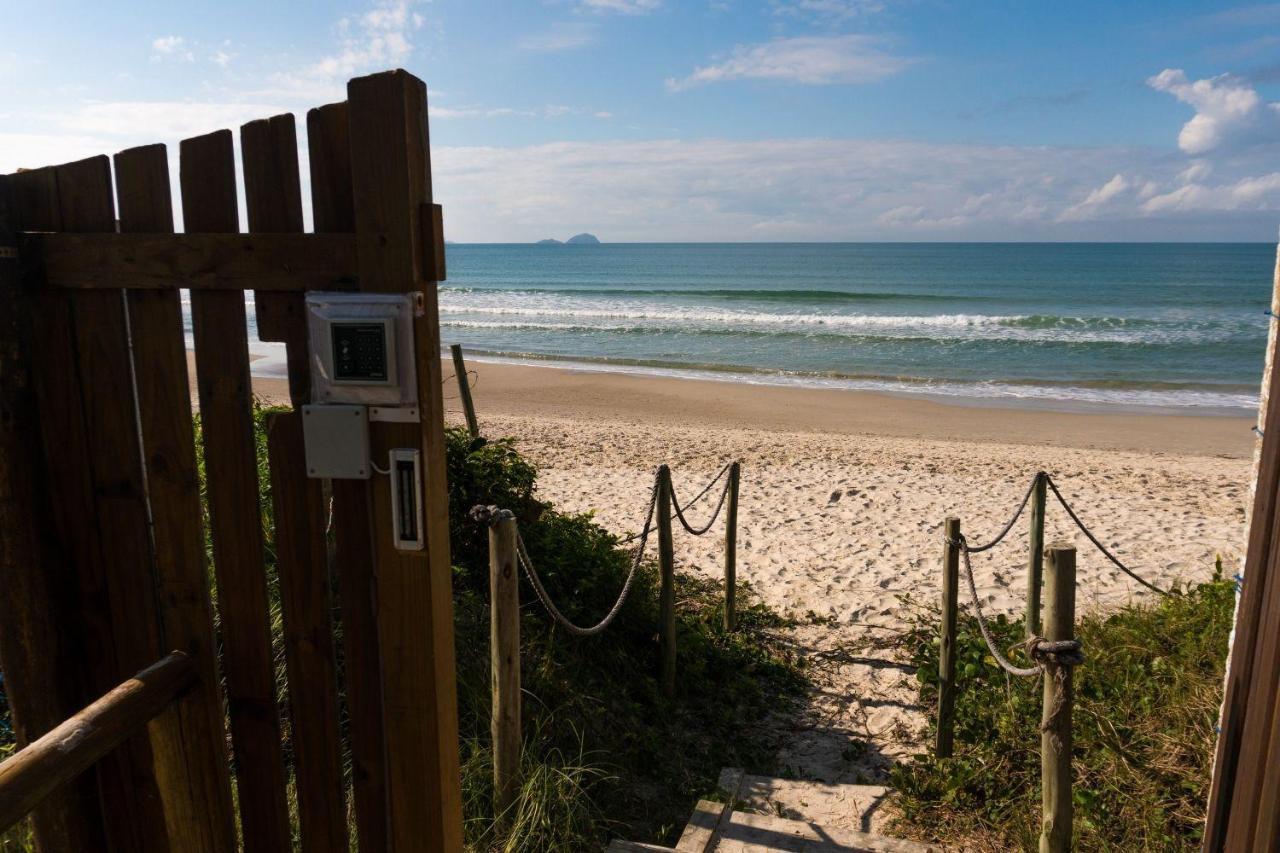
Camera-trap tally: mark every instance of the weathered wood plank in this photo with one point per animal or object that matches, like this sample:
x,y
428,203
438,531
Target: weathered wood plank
x,y
504,664
391,174
193,762
263,262
1055,721
44,766
222,373
38,633
667,591
464,390
303,563
945,739
1248,813
99,472
333,211
273,199
269,150
1259,574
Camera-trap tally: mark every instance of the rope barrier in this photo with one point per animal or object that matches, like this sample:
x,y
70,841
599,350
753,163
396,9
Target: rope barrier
x,y
1026,672
1012,521
679,511
1097,544
484,514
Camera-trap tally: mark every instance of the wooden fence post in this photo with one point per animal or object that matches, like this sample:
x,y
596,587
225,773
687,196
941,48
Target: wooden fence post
x,y
947,641
504,663
667,597
1035,558
731,550
1055,737
464,390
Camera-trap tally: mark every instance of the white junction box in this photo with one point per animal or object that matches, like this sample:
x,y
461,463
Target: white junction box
x,y
362,349
337,442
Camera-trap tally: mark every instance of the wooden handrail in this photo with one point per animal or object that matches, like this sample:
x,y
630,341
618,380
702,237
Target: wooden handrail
x,y
45,765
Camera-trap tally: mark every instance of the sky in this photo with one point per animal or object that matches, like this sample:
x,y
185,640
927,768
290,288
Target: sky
x,y
716,120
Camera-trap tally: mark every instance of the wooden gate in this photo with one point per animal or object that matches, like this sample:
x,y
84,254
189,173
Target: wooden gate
x,y
102,542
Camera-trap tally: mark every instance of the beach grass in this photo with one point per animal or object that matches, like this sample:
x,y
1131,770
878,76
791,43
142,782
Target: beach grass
x,y
1146,702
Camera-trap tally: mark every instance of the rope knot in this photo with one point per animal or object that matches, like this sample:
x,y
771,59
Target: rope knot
x,y
1060,652
488,515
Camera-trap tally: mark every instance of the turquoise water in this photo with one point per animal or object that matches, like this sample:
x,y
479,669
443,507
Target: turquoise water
x,y
1178,326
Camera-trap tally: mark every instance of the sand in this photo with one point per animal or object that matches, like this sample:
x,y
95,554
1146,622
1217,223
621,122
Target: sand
x,y
843,499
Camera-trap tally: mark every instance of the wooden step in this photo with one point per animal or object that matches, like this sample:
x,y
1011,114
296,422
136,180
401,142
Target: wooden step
x,y
745,832
857,807
617,845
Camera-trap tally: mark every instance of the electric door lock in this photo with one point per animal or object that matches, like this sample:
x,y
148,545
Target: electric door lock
x,y
406,498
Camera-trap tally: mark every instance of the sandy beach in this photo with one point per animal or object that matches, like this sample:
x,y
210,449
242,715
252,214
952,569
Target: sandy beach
x,y
844,496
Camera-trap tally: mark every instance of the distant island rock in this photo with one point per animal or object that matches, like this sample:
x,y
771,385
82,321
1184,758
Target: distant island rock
x,y
583,239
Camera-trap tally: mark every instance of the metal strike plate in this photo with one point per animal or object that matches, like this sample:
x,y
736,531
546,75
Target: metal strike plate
x,y
337,442
406,499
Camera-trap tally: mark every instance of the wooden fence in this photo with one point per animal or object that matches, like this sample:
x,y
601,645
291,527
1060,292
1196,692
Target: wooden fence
x,y
102,545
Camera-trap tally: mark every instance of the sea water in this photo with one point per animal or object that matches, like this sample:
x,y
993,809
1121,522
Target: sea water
x,y
1175,326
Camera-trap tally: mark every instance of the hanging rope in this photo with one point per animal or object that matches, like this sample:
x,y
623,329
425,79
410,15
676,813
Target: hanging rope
x,y
978,549
1094,539
526,562
1038,649
679,511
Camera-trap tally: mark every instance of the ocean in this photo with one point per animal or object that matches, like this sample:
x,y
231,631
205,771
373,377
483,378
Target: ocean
x,y
1178,327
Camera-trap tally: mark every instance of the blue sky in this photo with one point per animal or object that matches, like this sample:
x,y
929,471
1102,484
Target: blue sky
x,y
722,120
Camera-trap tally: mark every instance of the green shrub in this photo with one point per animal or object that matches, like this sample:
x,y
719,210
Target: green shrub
x,y
605,752
1146,701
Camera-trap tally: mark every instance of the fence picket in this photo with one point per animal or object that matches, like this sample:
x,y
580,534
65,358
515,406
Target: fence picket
x,y
192,760
222,373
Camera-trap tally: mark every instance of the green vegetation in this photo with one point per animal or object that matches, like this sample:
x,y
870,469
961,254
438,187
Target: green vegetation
x,y
605,753
1146,701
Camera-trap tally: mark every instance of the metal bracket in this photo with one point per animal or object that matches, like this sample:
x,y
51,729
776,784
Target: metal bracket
x,y
394,414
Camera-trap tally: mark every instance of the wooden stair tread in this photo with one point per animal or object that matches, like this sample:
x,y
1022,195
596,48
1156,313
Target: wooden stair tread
x,y
745,832
845,806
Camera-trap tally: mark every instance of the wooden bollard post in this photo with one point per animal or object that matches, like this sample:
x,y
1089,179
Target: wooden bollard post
x,y
731,550
667,597
464,390
1035,555
1055,737
504,662
947,641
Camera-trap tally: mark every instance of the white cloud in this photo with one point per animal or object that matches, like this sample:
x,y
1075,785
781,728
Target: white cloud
x,y
171,47
1227,109
1096,199
831,189
829,10
812,60
1197,171
548,111
124,120
625,7
1252,193
379,38
562,35
221,58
